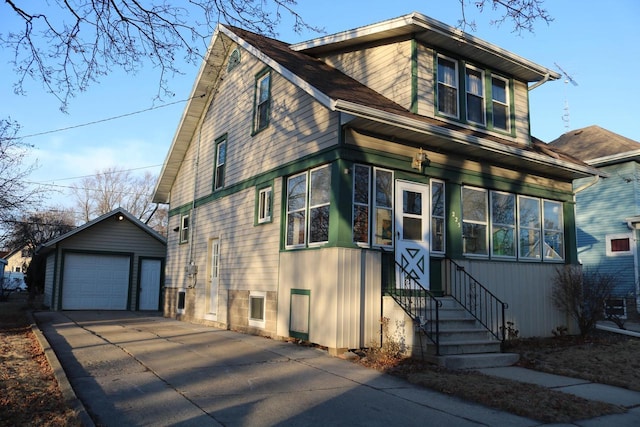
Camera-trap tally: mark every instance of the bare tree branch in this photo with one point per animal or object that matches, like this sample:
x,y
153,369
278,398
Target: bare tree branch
x,y
69,44
523,14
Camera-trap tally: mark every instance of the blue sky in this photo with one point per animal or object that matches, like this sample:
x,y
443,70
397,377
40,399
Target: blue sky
x,y
597,43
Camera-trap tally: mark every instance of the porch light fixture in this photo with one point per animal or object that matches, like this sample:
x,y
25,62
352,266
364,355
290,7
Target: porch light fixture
x,y
120,217
418,159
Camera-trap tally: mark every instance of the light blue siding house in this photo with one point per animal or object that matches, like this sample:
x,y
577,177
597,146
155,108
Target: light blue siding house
x,y
608,209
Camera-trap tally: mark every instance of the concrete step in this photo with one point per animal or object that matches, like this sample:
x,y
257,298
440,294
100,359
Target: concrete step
x,y
450,347
475,361
458,335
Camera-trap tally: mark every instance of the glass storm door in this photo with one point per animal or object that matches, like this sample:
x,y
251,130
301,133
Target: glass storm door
x,y
214,272
412,234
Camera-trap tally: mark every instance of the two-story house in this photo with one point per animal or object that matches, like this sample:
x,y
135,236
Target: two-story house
x,y
608,210
317,187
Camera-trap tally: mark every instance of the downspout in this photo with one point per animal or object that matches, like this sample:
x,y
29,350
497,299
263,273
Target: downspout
x,y
540,83
636,277
191,268
583,187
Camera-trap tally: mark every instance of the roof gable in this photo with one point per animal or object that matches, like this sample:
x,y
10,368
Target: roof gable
x,y
121,214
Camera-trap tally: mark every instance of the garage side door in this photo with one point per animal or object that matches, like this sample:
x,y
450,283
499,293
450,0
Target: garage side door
x,y
93,281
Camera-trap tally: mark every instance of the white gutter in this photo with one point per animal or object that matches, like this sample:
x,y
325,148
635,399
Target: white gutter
x,y
541,82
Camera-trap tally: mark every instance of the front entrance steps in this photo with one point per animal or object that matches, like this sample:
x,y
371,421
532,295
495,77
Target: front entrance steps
x,y
464,343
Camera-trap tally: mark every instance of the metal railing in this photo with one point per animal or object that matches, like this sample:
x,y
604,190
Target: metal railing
x,y
419,303
484,306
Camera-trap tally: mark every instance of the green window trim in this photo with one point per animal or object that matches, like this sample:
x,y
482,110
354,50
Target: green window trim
x,y
262,101
264,204
452,75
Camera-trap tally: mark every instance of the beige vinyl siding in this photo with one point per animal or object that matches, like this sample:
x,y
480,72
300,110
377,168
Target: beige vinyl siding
x,y
527,288
48,281
230,113
345,300
521,104
425,82
248,253
385,69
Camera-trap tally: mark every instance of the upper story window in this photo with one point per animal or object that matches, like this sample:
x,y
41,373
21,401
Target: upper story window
x,y
484,96
447,86
234,60
221,160
262,102
474,84
500,103
308,207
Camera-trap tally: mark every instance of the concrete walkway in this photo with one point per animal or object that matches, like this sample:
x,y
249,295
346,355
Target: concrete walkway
x,y
134,369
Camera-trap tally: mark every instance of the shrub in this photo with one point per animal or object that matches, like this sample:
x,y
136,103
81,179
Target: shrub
x,y
582,294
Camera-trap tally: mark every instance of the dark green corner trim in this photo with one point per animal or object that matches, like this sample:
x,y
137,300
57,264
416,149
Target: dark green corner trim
x,y
414,76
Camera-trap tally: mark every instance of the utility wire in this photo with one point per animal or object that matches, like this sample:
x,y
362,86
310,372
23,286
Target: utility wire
x,y
104,120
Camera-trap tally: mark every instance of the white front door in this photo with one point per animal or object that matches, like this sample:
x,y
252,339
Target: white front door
x,y
412,234
214,272
150,272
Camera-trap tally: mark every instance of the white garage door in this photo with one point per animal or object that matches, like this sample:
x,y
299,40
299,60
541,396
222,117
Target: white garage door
x,y
93,282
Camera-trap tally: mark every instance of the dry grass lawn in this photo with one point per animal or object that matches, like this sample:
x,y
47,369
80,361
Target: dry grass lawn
x,y
603,357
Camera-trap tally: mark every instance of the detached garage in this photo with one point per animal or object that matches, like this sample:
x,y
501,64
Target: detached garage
x,y
114,262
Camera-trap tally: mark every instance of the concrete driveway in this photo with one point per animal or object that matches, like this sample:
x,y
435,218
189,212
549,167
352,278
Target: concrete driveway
x,y
139,369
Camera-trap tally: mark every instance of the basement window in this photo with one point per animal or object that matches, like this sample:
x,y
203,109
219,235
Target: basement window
x,y
257,302
619,244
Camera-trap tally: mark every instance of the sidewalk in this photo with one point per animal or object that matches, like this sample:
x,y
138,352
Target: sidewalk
x,y
131,368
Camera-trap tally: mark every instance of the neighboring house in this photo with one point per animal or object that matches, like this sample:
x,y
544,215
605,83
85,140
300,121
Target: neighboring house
x,y
114,262
298,173
608,210
18,259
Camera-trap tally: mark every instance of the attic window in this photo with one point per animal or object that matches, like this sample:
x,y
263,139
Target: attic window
x,y
234,60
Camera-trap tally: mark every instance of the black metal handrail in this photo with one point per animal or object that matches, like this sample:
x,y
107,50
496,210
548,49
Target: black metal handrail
x,y
484,306
419,303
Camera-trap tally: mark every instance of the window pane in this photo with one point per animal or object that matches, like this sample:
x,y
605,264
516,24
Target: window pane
x,y
437,234
257,308
411,228
447,87
474,239
499,90
296,192
361,184
504,241
474,205
361,224
620,245
264,89
552,215
319,224
412,203
474,82
530,243
448,100
475,109
384,227
529,212
384,188
499,116
437,199
503,208
320,186
296,228
553,245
